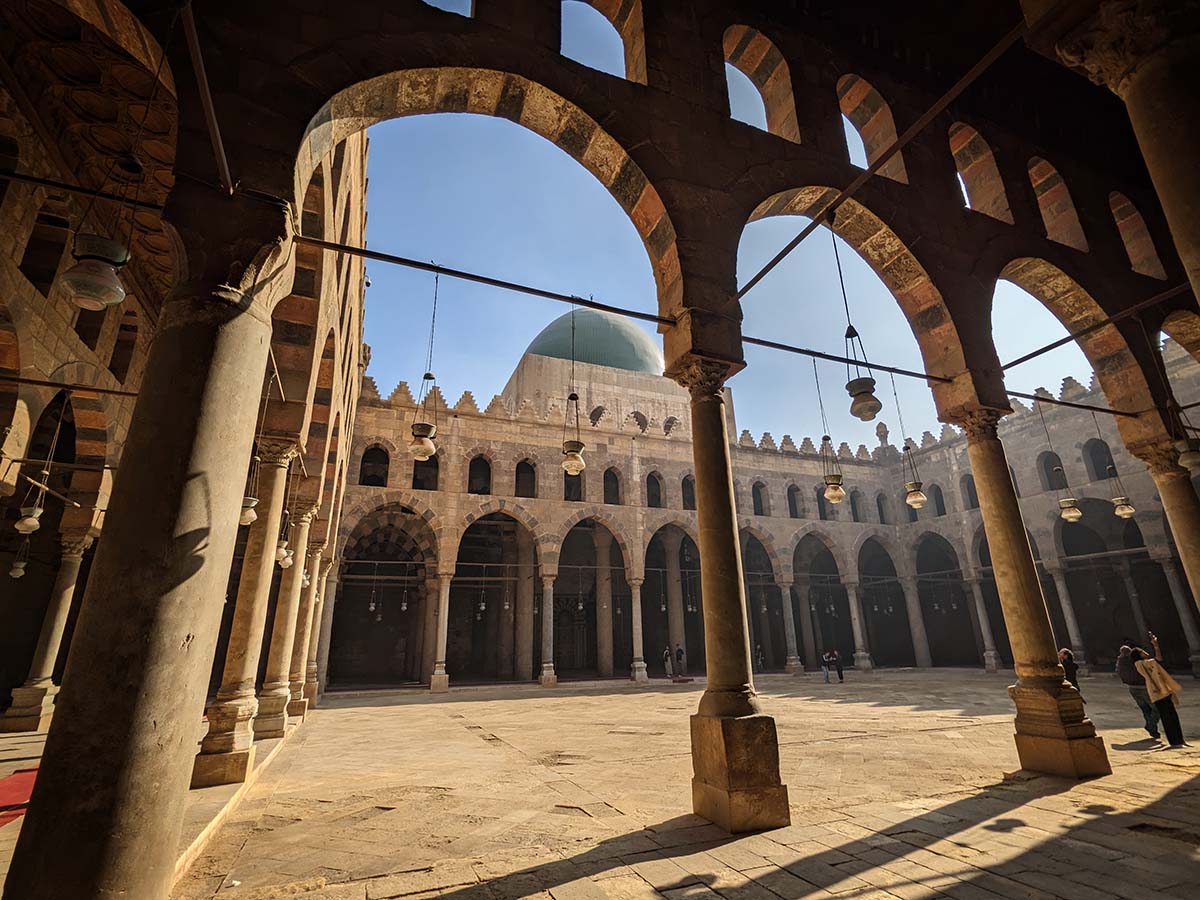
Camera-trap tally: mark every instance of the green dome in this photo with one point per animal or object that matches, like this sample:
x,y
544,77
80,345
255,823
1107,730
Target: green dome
x,y
602,339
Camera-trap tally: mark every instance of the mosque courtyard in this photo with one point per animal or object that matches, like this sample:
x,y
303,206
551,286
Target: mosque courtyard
x,y
902,784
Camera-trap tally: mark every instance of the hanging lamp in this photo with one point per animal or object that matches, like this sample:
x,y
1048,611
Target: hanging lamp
x,y
424,427
284,553
17,570
374,580
34,503
864,405
914,497
1068,506
1122,508
831,467
572,448
579,595
250,501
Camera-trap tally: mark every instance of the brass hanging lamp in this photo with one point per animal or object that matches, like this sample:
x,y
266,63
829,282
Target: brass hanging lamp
x,y
572,448
424,427
831,467
864,405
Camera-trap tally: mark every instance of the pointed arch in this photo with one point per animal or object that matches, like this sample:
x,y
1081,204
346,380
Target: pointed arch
x,y
615,527
125,346
1057,207
46,245
768,544
654,491
625,16
871,116
760,499
980,175
754,55
1143,256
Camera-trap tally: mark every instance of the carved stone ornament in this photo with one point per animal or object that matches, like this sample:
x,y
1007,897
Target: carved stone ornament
x,y
276,451
980,424
702,377
1161,458
74,545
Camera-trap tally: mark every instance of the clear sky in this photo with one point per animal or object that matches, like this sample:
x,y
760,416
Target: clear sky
x,y
485,195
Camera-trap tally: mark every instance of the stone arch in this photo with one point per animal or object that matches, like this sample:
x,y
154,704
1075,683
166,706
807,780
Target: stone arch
x,y
760,497
525,102
387,522
754,55
655,524
125,346
545,547
46,244
887,543
1055,203
795,501
613,486
655,490
778,566
870,114
895,264
1143,256
824,538
626,18
351,518
633,561
976,164
374,466
1183,327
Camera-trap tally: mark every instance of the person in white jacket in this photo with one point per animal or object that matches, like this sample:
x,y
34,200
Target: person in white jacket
x,y
1164,692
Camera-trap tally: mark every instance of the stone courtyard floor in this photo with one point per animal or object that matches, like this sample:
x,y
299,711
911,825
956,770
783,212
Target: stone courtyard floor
x,y
897,786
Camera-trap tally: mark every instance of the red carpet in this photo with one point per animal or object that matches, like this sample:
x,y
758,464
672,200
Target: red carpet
x,y
14,794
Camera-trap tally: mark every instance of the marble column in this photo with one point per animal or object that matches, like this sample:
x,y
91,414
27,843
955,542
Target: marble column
x,y
1184,608
506,612
637,669
991,658
33,702
311,668
429,619
297,670
807,637
735,747
1074,635
328,605
227,751
272,718
547,678
792,665
1053,735
106,814
439,681
602,541
1135,602
672,540
524,611
916,621
1180,503
862,653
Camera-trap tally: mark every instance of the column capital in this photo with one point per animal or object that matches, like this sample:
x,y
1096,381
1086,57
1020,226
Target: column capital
x,y
74,543
601,537
980,424
702,377
305,516
850,585
548,579
1160,457
635,582
327,566
1123,34
784,583
276,451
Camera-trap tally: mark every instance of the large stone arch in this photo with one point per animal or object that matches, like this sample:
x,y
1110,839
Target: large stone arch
x,y
353,517
521,100
652,525
886,542
826,539
1183,327
630,550
779,567
544,544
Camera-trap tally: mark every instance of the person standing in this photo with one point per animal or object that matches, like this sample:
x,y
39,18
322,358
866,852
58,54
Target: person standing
x,y
1127,658
759,657
1164,693
826,661
837,664
1066,659
667,657
680,661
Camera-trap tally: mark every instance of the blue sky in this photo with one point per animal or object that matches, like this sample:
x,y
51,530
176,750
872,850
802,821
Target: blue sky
x,y
485,195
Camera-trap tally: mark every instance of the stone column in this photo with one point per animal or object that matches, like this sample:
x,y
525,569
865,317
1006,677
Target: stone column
x,y
276,693
759,602
804,596
1183,608
429,613
1179,501
916,621
297,671
792,665
862,653
118,757
547,678
991,658
227,752
33,702
506,621
1052,733
1059,574
328,606
637,669
439,682
602,540
327,582
523,670
1135,602
676,628
1146,52
735,748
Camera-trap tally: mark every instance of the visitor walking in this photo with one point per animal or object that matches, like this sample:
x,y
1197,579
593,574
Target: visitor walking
x,y
667,657
1164,693
1127,658
759,657
680,660
1066,659
826,661
837,664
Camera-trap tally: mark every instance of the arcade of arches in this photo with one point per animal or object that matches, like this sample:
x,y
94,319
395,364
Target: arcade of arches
x,y
217,518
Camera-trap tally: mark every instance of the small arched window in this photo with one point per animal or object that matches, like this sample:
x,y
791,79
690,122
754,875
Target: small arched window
x,y
47,241
822,506
654,492
689,492
373,469
872,118
856,504
123,349
881,507
479,476
425,474
1050,471
938,499
587,38
752,54
1098,459
978,174
912,513
596,415
89,324
572,488
1057,207
612,487
758,496
1143,257
526,479
795,502
970,498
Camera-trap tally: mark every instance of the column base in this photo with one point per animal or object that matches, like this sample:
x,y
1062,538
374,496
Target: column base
x,y
1053,735
735,765
310,693
31,710
439,683
298,708
638,673
863,662
548,678
230,725
991,661
793,666
212,769
272,718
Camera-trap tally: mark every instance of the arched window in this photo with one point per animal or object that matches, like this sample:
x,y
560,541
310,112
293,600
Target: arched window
x,y
970,498
605,36
689,492
89,324
47,241
526,479
872,119
795,502
654,498
937,499
881,507
822,506
595,415
856,507
1098,459
479,476
758,495
612,487
1143,256
459,7
751,53
1050,471
978,173
425,474
572,488
122,354
373,470
1058,209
